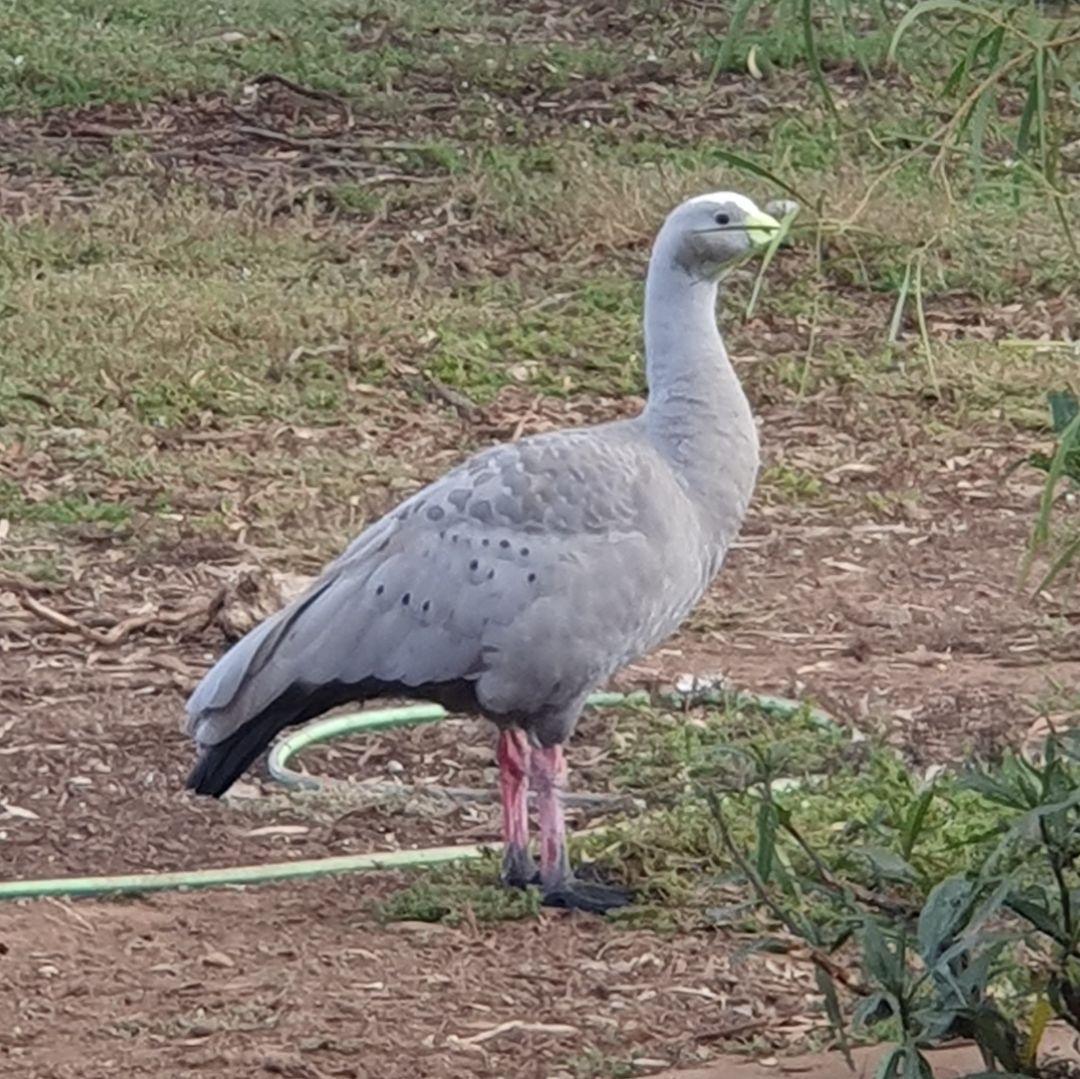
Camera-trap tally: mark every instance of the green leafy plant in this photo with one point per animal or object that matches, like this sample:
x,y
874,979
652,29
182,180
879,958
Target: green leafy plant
x,y
990,955
1008,76
1014,64
1062,469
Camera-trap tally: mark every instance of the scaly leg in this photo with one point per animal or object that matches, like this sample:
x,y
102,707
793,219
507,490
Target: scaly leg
x,y
557,881
512,754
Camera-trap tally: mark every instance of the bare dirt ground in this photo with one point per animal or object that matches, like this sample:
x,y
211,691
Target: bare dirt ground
x,y
889,597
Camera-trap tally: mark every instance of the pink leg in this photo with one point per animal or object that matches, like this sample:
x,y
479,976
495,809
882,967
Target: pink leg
x,y
512,754
549,781
557,881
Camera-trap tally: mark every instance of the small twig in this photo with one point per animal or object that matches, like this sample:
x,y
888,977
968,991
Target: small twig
x,y
920,314
61,621
799,948
315,351
313,143
383,177
303,91
735,1030
126,627
318,143
71,913
815,316
517,1024
104,131
466,407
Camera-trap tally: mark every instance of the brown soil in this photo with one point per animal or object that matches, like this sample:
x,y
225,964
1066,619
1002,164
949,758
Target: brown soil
x,y
296,981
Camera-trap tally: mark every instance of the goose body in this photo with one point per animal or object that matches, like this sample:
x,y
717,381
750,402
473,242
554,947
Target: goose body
x,y
525,577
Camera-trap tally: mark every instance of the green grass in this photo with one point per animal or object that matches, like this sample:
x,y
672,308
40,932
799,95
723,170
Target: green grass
x,y
453,894
63,52
138,317
847,799
43,570
200,314
167,316
658,751
59,510
791,483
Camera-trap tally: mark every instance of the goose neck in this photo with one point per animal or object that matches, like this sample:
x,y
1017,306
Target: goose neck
x,y
697,412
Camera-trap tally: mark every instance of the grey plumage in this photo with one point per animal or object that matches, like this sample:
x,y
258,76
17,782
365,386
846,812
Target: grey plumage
x,y
528,575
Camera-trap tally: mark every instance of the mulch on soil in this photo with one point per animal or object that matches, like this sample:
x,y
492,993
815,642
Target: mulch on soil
x,y
294,981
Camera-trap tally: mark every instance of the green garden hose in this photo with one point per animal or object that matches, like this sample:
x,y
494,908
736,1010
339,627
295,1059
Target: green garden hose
x,y
367,723
139,883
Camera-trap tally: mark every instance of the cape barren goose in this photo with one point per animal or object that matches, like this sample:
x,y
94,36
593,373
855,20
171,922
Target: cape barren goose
x,y
525,577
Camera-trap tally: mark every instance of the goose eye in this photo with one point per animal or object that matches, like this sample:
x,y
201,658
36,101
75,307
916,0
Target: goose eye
x,y
722,219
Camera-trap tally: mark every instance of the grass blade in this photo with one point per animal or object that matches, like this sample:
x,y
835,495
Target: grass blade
x,y
1042,111
827,987
767,825
1066,224
1065,558
914,823
891,1063
732,38
924,333
766,259
1057,468
956,76
897,319
979,113
1063,407
994,40
1041,1015
812,57
978,117
1023,134
744,163
925,7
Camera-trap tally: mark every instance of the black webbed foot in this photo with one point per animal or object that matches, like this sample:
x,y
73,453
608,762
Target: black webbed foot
x,y
585,895
587,891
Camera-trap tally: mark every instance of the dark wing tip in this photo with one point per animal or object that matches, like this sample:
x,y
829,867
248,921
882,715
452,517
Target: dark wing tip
x,y
220,765
207,774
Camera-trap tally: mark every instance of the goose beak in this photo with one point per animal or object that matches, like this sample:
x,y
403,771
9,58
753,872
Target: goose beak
x,y
760,227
